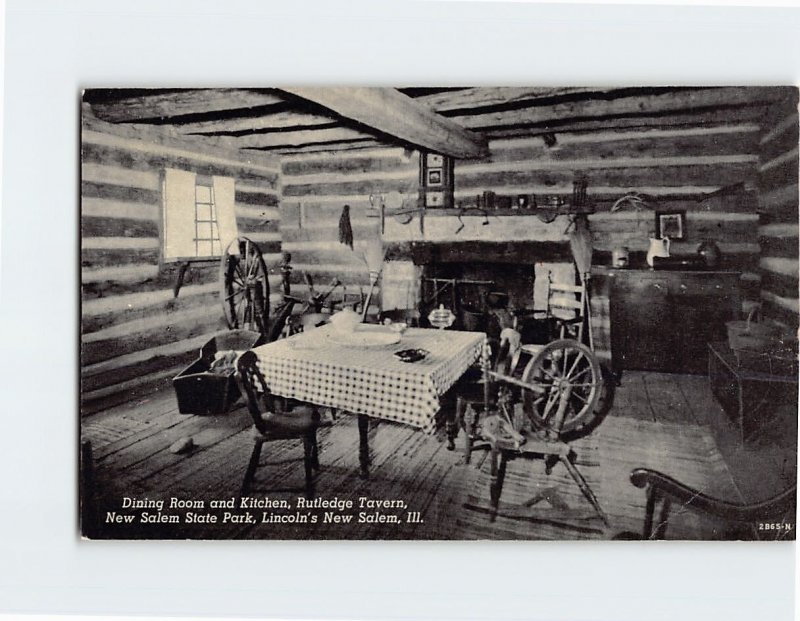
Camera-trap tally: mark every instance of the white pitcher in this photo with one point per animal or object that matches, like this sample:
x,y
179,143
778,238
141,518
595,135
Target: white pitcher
x,y
658,248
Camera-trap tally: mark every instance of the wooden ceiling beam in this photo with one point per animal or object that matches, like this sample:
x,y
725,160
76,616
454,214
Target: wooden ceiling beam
x,y
167,138
733,116
276,121
662,103
295,139
480,96
179,103
329,147
391,112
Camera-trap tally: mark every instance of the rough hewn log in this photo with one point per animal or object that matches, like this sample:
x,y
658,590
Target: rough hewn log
x,y
354,146
298,138
158,104
148,332
608,145
390,112
118,227
269,121
117,175
265,198
349,164
481,96
109,208
718,175
148,141
668,102
102,313
91,189
319,233
93,258
109,284
405,185
675,119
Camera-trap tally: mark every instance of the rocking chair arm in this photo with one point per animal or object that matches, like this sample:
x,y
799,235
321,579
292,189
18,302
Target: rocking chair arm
x,y
667,487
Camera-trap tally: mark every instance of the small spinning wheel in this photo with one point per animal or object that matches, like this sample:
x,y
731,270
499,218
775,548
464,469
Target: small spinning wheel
x,y
244,286
568,384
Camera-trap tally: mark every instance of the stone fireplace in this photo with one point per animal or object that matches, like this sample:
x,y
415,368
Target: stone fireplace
x,y
470,277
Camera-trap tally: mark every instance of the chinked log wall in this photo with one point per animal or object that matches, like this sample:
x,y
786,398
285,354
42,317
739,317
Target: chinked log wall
x,y
677,166
135,333
778,228
316,187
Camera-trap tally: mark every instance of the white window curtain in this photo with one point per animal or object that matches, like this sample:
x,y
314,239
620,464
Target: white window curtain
x,y
179,213
224,197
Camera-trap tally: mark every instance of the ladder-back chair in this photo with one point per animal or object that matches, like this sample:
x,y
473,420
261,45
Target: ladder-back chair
x,y
567,309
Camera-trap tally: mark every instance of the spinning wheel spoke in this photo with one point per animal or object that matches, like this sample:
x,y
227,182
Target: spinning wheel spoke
x,y
569,373
548,374
244,286
578,358
580,373
552,399
577,395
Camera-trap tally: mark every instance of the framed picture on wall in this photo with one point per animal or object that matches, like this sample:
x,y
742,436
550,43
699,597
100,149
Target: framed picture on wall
x,y
671,224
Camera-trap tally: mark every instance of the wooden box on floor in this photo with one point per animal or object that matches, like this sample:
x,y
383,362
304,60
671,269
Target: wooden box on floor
x,y
201,391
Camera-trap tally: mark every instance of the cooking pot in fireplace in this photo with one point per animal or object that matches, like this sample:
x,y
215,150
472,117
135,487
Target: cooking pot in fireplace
x,y
473,319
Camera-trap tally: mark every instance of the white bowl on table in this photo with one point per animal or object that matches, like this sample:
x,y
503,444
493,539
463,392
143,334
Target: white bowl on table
x,y
345,321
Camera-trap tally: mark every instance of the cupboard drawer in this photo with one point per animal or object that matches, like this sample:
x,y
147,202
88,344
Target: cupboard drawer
x,y
704,288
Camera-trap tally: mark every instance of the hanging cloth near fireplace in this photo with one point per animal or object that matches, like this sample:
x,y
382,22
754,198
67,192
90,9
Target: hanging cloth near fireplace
x,y
580,243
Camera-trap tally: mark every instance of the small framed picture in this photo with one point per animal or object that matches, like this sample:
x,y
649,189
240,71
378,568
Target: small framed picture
x,y
434,160
671,224
434,199
435,177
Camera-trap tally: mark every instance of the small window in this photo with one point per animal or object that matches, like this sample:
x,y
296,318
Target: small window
x,y
199,215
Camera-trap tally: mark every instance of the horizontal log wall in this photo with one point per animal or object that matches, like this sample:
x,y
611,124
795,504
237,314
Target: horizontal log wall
x,y
778,196
316,186
135,335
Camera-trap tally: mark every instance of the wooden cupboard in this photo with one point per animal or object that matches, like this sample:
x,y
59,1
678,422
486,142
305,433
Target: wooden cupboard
x,y
664,320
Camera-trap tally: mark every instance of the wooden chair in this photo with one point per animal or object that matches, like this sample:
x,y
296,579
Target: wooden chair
x,y
276,421
663,491
566,310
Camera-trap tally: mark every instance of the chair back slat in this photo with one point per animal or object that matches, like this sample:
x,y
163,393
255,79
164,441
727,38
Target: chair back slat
x,y
255,389
557,286
566,303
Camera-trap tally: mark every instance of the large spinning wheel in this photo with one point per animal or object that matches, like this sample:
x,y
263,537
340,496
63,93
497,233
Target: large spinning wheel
x,y
567,384
244,286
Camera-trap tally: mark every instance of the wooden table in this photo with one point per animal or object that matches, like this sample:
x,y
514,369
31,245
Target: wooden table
x,y
316,367
744,383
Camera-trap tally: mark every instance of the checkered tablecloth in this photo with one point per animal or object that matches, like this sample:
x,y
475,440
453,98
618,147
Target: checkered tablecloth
x,y
315,367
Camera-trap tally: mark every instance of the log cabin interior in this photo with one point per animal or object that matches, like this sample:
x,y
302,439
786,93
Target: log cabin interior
x,y
452,210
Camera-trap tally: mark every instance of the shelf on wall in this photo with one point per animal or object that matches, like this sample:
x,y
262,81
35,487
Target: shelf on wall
x,y
542,212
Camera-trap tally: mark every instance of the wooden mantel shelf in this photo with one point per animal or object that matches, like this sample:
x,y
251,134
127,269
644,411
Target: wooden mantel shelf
x,y
545,212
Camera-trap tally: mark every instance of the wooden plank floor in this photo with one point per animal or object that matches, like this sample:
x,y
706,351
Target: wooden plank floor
x,y
663,421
